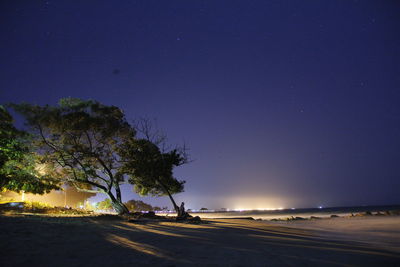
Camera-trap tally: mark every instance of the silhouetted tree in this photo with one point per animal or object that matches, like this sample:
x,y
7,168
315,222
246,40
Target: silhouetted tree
x,y
150,164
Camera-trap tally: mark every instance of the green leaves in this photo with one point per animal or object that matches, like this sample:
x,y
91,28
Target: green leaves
x,y
138,205
104,205
80,140
82,136
17,164
91,145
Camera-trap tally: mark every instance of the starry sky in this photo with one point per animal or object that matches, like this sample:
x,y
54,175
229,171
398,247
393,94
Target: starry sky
x,y
282,103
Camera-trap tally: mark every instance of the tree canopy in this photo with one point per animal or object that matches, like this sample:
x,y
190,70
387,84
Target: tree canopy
x,y
93,147
18,164
151,170
138,205
78,140
106,204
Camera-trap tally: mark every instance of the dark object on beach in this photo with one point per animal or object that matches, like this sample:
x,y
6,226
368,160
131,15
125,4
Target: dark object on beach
x,y
191,220
182,212
315,218
183,217
295,218
236,218
368,213
276,220
150,215
194,219
334,216
188,218
395,212
139,217
379,214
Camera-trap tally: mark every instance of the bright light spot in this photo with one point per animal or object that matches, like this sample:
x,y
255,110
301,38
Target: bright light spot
x,y
239,210
41,169
320,207
256,203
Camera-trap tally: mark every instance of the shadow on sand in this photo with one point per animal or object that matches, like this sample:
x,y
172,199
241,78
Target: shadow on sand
x,y
61,241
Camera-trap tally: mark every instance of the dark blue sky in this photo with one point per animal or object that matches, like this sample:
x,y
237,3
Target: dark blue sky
x,y
283,103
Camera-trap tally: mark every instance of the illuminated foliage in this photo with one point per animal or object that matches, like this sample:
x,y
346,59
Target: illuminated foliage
x,y
18,165
104,205
78,140
138,205
94,148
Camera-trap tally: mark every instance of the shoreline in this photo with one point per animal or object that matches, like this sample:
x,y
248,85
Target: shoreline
x,y
296,216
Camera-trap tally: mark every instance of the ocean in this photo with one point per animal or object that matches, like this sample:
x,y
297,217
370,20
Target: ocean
x,y
302,212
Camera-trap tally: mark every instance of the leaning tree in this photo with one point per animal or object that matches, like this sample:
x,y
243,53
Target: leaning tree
x,y
150,163
18,164
79,142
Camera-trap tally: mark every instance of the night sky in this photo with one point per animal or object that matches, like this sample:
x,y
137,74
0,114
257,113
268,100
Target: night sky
x,y
282,103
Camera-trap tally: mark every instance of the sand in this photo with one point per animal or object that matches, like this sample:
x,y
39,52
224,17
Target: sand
x,y
89,241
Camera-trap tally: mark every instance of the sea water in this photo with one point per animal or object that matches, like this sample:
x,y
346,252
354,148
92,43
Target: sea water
x,y
288,213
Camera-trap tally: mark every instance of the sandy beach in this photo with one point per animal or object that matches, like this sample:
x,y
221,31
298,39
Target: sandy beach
x,y
96,241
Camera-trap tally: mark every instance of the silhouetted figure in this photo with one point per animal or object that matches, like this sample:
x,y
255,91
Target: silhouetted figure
x,y
182,214
182,210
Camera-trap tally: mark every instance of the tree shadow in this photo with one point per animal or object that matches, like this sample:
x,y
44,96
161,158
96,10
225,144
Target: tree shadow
x,y
89,242
228,242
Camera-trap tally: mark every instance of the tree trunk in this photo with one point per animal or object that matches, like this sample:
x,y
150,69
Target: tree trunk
x,y
118,206
176,207
118,192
